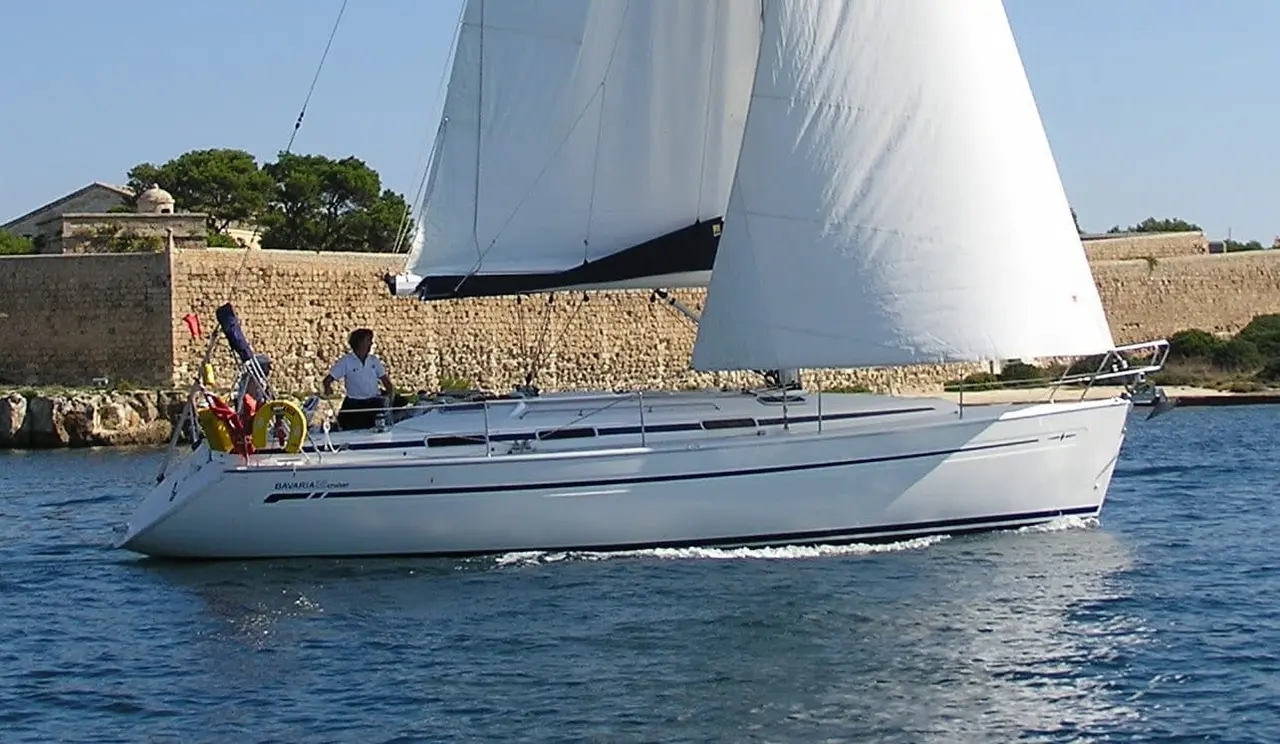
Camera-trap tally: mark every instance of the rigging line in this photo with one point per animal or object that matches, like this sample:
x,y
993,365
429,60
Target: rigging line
x,y
555,338
316,78
536,360
533,187
419,197
289,147
595,170
525,351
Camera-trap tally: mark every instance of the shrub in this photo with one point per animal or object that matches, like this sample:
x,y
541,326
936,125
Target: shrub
x,y
1193,344
1243,386
221,240
1270,373
1264,333
449,383
110,238
1180,376
1237,355
975,381
1021,371
1086,366
15,245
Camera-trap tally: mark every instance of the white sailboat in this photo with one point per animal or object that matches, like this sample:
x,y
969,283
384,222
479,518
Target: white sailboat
x,y
889,198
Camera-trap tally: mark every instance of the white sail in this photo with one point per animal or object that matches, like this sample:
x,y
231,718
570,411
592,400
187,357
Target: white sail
x,y
577,129
896,200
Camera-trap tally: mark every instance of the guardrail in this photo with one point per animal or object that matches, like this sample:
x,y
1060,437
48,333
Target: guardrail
x,y
1113,365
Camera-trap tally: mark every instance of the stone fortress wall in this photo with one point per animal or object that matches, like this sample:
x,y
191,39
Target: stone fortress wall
x,y
69,319
1121,247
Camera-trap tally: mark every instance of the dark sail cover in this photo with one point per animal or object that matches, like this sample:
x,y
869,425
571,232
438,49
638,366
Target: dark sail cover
x,y
685,255
230,326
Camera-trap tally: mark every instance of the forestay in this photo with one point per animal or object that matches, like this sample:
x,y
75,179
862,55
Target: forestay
x,y
577,131
896,200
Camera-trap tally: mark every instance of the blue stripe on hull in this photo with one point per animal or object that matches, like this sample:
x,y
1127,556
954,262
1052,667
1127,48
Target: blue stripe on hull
x,y
872,535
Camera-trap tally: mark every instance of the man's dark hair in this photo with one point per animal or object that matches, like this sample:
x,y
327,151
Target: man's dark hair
x,y
359,336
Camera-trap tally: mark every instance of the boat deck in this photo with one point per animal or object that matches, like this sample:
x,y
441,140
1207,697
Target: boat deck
x,y
586,422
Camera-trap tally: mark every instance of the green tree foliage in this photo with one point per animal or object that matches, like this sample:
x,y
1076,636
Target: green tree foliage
x,y
1021,372
330,205
1198,357
1237,355
1233,246
226,184
15,245
1153,225
111,238
303,202
1192,344
220,240
1264,333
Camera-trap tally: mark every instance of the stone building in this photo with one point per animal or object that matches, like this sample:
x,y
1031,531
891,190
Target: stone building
x,y
96,198
94,220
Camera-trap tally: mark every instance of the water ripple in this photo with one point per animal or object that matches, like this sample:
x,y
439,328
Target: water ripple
x,y
1159,623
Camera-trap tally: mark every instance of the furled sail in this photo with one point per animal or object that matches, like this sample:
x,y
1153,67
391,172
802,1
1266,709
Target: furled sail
x,y
585,143
896,200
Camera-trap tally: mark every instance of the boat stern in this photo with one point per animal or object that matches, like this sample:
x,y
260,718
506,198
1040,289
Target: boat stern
x,y
169,496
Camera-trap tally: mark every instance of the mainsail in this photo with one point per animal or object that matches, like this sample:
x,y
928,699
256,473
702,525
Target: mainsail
x,y
896,201
585,143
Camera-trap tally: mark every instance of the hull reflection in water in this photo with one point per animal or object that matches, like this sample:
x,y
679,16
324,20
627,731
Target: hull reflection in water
x,y
1025,640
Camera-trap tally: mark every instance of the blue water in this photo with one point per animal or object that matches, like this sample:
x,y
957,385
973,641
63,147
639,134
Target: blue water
x,y
1162,624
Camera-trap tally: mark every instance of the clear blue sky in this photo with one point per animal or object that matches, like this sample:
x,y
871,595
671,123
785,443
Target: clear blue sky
x,y
1154,107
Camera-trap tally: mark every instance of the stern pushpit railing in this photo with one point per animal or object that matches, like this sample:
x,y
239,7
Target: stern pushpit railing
x,y
1129,364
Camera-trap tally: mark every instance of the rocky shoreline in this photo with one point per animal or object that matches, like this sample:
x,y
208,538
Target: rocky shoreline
x,y
49,420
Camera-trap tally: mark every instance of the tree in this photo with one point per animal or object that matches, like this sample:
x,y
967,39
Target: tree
x,y
330,205
1238,355
1234,246
226,184
382,226
1153,225
1076,219
15,245
1193,343
1264,333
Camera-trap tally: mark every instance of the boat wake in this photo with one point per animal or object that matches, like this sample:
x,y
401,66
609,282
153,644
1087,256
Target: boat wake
x,y
1061,524
782,552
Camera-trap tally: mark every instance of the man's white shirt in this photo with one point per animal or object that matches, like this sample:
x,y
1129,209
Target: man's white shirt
x,y
361,378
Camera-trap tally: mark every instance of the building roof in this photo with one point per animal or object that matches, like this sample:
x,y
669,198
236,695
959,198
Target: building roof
x,y
121,190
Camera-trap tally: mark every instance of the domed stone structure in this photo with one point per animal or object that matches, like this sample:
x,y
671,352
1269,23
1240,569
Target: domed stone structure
x,y
155,200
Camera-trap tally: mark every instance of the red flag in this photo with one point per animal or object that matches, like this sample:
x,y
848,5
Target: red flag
x,y
193,324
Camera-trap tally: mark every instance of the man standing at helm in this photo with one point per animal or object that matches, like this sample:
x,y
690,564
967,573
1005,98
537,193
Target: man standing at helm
x,y
366,380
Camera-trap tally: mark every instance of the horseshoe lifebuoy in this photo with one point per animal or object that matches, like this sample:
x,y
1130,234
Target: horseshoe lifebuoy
x,y
264,424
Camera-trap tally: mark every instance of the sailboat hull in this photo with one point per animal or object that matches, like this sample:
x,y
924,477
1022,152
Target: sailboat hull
x,y
937,471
